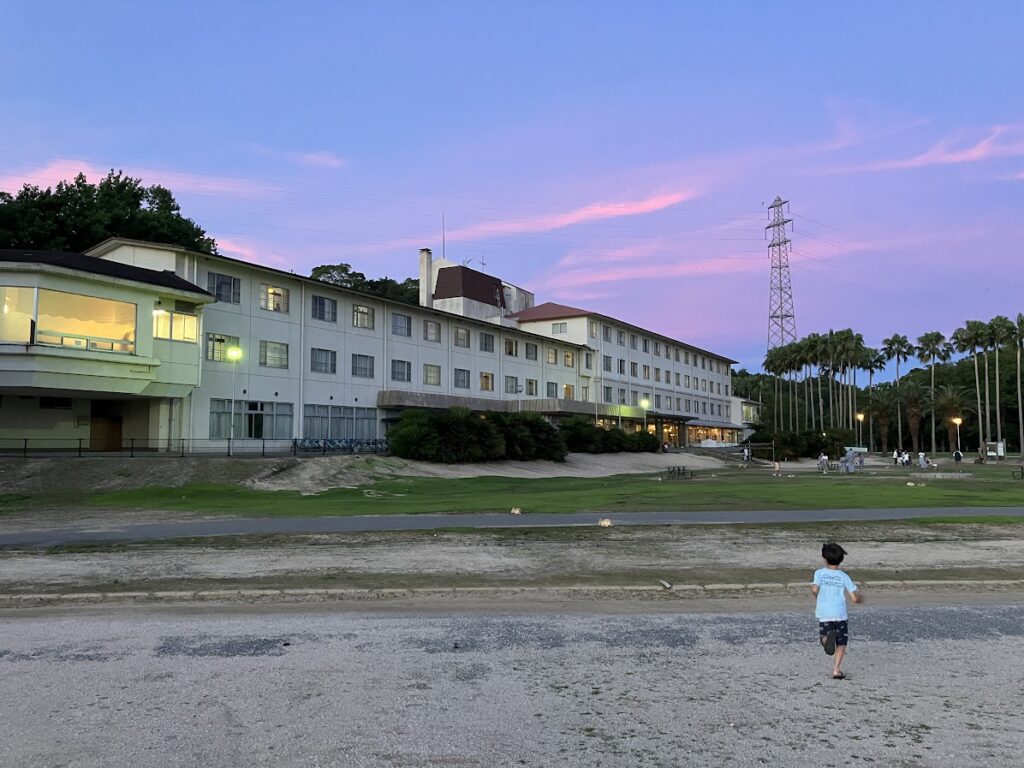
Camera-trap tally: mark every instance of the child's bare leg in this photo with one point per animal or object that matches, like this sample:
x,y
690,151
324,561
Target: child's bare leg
x,y
838,663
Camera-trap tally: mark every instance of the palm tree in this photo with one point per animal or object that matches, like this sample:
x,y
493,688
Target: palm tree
x,y
816,354
773,365
883,408
950,401
898,348
1001,331
932,346
915,400
872,361
1018,334
968,339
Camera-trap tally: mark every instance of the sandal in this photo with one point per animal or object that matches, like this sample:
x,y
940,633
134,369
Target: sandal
x,y
839,676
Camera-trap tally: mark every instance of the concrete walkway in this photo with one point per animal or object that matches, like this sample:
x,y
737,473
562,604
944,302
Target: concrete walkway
x,y
241,526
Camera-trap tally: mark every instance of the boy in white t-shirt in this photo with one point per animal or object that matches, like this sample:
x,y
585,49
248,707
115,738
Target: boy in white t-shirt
x,y
830,585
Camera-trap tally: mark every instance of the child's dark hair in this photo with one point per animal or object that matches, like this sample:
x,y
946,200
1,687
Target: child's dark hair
x,y
832,553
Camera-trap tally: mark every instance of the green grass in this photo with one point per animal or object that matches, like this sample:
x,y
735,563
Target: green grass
x,y
623,493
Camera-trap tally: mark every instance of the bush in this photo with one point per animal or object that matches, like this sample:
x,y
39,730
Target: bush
x,y
810,444
642,442
581,435
528,436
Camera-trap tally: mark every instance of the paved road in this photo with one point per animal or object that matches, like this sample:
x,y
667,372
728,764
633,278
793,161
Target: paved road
x,y
284,525
928,686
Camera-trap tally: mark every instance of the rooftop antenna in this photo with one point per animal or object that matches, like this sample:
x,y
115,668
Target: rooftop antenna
x,y
482,262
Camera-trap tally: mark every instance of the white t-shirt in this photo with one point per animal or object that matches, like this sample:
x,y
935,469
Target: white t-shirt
x,y
831,605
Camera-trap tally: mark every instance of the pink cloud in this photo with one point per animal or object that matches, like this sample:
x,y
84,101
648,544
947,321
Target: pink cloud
x,y
244,250
1000,141
65,169
576,279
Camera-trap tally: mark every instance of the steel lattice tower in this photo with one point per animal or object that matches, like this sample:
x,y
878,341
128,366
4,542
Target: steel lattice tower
x,y
781,317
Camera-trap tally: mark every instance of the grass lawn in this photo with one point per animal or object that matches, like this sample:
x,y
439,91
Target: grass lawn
x,y
735,490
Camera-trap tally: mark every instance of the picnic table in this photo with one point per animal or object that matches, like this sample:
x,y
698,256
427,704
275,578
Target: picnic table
x,y
677,473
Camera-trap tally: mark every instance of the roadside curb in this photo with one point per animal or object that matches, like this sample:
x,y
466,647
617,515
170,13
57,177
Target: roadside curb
x,y
370,594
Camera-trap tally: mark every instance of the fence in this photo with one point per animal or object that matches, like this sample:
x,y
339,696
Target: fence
x,y
238,447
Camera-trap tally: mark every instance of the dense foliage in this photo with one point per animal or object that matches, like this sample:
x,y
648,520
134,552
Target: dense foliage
x,y
583,436
407,291
74,216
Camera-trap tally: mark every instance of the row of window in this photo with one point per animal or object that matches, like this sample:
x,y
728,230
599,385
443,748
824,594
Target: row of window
x,y
681,380
273,421
636,341
683,405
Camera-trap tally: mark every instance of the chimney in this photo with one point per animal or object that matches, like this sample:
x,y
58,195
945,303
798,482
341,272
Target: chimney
x,y
426,279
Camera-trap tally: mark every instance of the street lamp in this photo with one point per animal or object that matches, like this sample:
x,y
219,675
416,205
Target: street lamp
x,y
233,354
645,404
958,421
860,429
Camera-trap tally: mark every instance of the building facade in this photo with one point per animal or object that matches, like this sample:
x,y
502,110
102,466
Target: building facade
x,y
151,343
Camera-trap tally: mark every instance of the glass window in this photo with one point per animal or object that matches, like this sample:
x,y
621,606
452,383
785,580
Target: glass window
x,y
362,316
432,375
217,346
253,419
486,342
622,366
461,378
226,288
486,382
462,337
273,298
607,394
632,341
606,333
323,360
657,348
647,372
16,319
569,359
273,354
657,401
621,338
568,391
362,366
431,330
401,325
511,348
588,360
634,398
85,322
531,351
550,355
606,363
557,328
593,329
337,422
552,389
647,345
176,326
677,380
401,370
657,375
622,396
325,309
511,385
633,369
531,387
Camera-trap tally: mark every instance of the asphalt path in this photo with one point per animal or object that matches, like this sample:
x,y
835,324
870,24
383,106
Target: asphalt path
x,y
927,686
240,526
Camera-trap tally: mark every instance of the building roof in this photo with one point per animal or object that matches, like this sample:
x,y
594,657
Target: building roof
x,y
459,281
97,266
551,311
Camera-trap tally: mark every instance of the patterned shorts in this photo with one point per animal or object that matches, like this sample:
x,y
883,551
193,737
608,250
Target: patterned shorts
x,y
840,628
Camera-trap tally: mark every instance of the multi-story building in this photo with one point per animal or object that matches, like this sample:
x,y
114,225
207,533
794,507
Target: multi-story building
x,y
145,341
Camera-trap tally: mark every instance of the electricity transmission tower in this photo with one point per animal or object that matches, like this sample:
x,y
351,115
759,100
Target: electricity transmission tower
x,y
781,317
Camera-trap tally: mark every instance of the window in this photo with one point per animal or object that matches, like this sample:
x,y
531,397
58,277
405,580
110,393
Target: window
x,y
633,370
486,342
486,382
686,357
621,338
657,349
647,372
593,329
657,401
647,345
85,322
273,298
325,309
719,409
726,390
719,388
323,360
704,363
461,337
567,391
336,422
704,385
550,355
431,375
677,380
728,412
176,326
657,375
622,396
401,370
632,341
252,419
569,359
401,325
511,385
226,288
557,328
431,330
686,381
461,378
531,351
552,389
687,404
607,363
531,387
607,394
511,347
585,394
634,398
704,407
588,360
606,333
362,366
16,319
273,354
362,316
217,346
622,366
677,360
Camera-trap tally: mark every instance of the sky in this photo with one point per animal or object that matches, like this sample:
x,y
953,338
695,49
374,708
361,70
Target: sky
x,y
614,156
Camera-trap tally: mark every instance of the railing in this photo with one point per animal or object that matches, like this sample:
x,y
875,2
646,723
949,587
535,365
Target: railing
x,y
92,343
237,447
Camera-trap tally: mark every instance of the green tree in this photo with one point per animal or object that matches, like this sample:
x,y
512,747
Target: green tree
x,y
1001,330
76,215
968,339
407,291
1018,339
898,348
932,347
915,400
950,401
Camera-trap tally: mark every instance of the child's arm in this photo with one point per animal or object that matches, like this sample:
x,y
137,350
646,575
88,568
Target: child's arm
x,y
857,597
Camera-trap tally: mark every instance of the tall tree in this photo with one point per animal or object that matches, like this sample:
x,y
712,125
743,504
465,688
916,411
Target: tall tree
x,y
1001,331
872,362
932,347
76,215
1018,336
951,401
883,409
898,348
968,339
915,400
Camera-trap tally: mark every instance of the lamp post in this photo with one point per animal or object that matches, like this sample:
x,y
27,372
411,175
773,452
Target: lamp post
x,y
860,429
233,354
958,421
645,404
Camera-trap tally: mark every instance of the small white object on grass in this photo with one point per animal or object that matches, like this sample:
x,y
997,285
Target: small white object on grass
x,y
911,484
515,511
664,584
604,522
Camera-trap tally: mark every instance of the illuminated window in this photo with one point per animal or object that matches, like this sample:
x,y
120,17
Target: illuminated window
x,y
273,298
531,387
16,320
176,326
511,348
217,346
570,360
567,391
85,322
432,375
486,382
550,355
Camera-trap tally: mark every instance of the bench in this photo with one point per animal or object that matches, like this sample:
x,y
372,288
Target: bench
x,y
677,473
1019,472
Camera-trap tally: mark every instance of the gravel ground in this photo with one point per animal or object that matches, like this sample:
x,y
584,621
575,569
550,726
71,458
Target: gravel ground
x,y
928,686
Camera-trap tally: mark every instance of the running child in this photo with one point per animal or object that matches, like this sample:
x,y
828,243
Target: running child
x,y
830,585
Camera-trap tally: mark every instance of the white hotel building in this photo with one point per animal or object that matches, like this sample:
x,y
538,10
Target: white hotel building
x,y
129,342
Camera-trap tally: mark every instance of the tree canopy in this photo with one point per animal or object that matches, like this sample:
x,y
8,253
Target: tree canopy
x,y
407,291
74,216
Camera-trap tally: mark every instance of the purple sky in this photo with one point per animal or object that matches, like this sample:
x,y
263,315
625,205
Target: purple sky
x,y
613,156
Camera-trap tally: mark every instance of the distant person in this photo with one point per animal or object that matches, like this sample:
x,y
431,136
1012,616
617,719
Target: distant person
x,y
896,457
830,586
957,457
922,460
